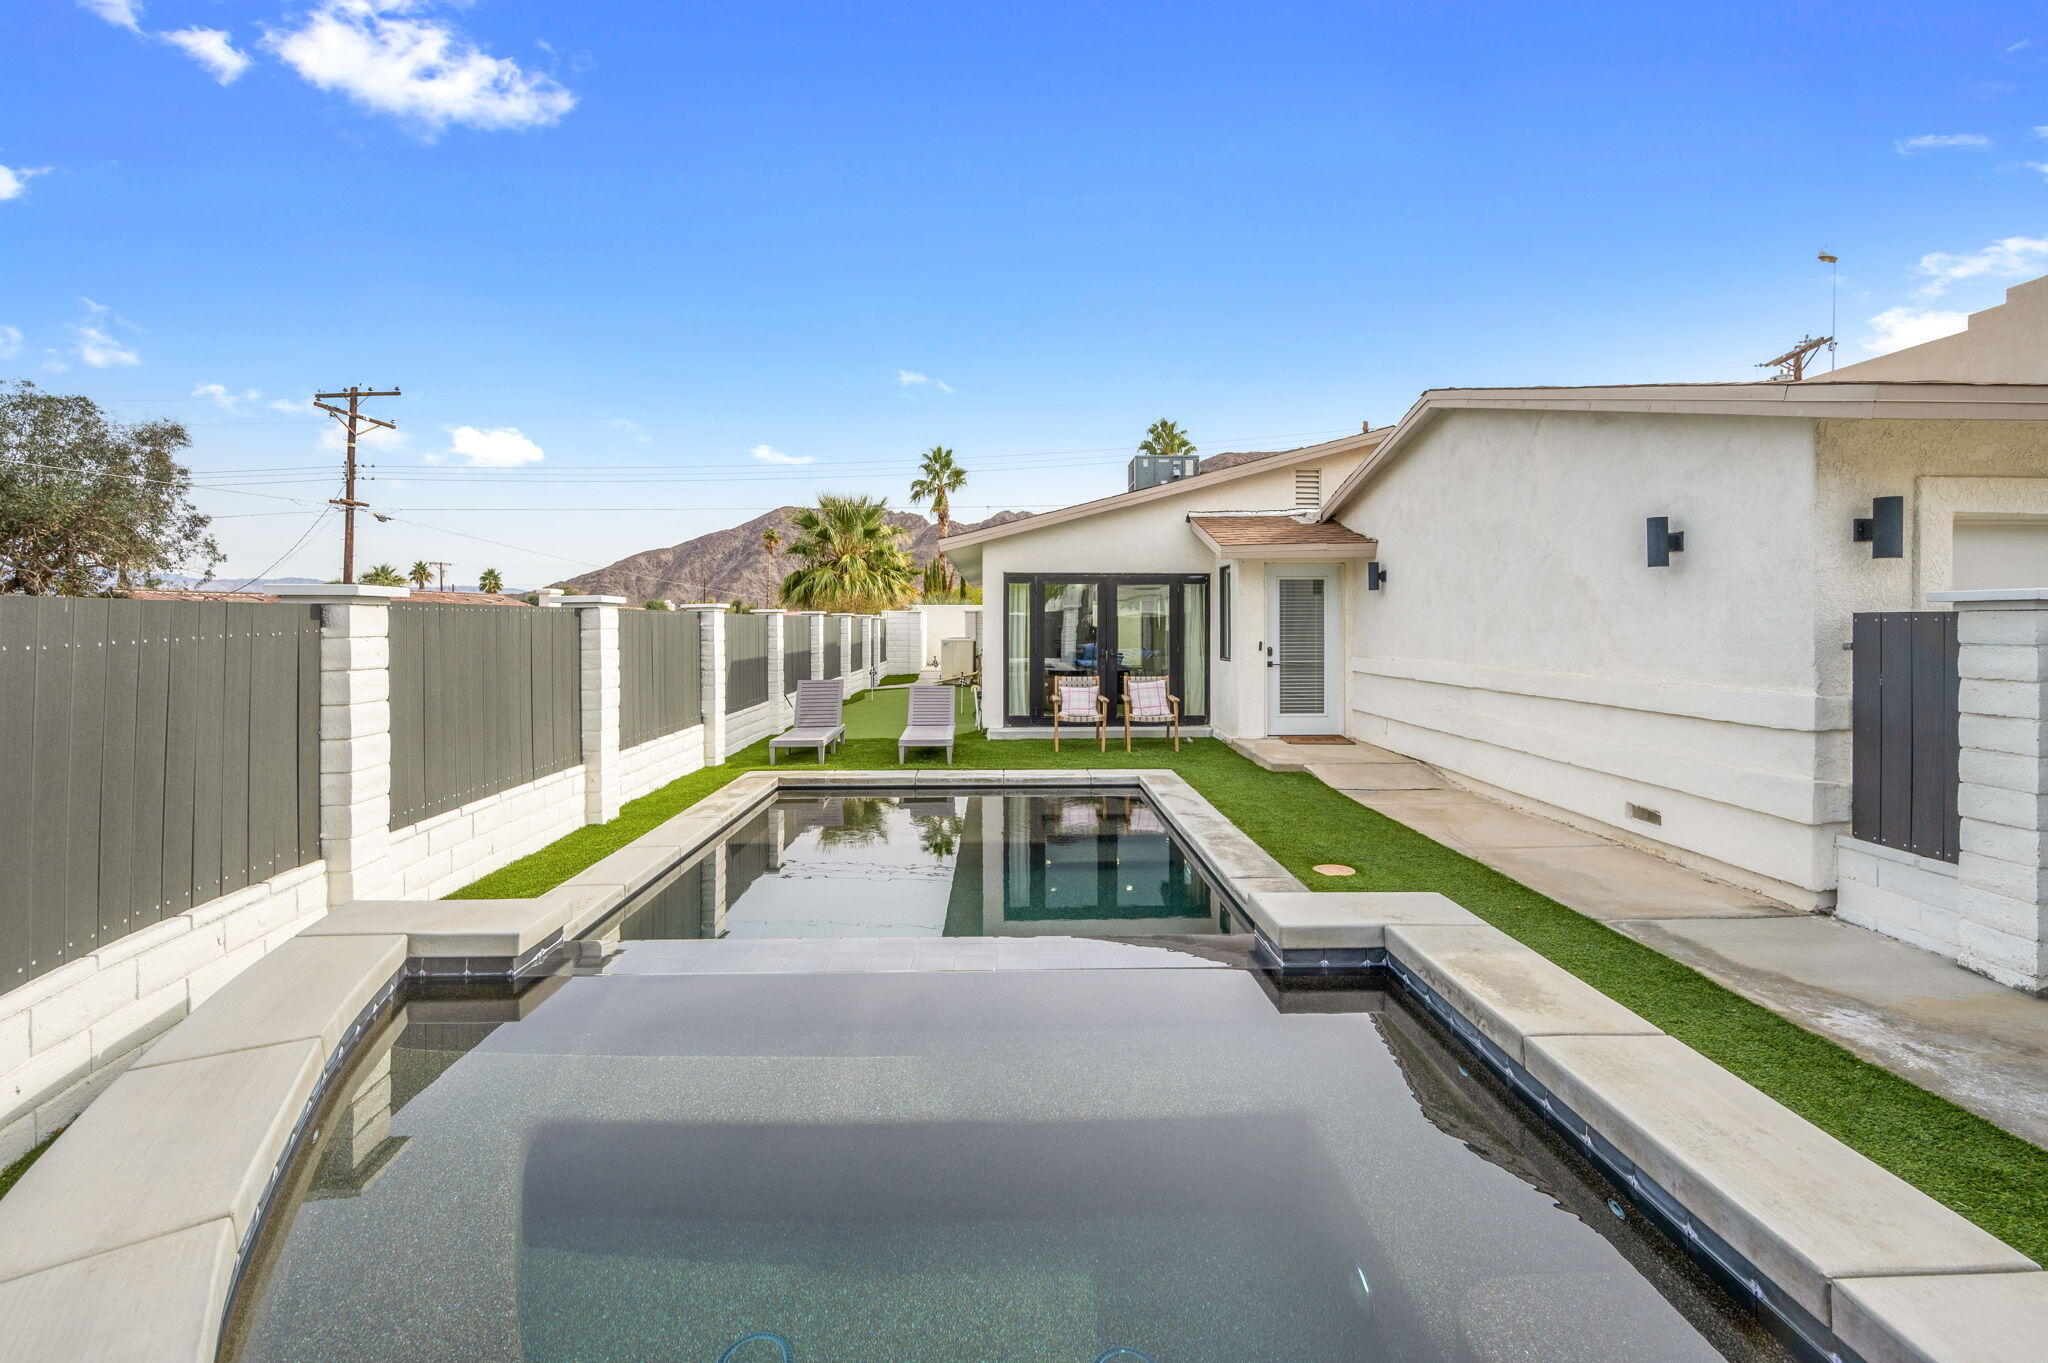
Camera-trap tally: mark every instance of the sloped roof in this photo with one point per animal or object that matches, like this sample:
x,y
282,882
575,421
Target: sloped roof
x,y
1237,531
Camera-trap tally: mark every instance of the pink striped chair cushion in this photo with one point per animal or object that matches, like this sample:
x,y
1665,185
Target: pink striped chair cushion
x,y
1077,699
1148,698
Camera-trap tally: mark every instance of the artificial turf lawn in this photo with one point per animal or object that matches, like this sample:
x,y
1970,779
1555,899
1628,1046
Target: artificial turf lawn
x,y
1989,1175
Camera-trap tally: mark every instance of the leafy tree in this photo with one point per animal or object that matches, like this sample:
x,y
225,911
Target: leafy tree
x,y
420,575
89,504
1165,439
852,558
382,575
654,604
491,582
938,478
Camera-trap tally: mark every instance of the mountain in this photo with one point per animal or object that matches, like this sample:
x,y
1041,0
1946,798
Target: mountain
x,y
731,563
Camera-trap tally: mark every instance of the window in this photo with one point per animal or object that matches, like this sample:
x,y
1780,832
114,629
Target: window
x,y
1308,487
1223,576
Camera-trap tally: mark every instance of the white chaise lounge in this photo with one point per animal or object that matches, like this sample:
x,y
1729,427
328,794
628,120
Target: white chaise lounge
x,y
820,719
931,721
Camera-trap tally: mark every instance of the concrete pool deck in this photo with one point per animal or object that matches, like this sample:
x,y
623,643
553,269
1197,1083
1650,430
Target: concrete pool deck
x,y
1975,1042
123,1242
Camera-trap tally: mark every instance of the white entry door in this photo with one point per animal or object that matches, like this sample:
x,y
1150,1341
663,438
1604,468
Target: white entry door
x,y
1302,691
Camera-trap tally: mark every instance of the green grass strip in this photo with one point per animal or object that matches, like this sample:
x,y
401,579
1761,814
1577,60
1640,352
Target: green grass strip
x,y
1987,1174
11,1175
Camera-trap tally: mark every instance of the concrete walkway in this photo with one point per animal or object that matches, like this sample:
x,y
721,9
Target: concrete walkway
x,y
1976,1043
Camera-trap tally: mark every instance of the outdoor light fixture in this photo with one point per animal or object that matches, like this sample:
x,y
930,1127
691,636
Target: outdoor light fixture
x,y
1664,541
1884,529
1375,576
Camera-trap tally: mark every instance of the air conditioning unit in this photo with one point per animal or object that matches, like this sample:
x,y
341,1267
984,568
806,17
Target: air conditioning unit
x,y
956,659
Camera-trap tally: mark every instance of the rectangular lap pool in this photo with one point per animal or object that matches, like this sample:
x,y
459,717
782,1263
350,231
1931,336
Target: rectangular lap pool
x,y
902,865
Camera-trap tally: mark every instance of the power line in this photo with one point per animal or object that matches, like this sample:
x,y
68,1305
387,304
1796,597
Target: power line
x,y
352,420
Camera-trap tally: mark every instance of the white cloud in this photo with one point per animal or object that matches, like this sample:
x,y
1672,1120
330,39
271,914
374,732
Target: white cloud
x,y
910,378
1897,328
368,438
1906,146
223,397
768,454
501,447
122,13
630,427
100,350
14,180
421,70
293,406
211,49
2006,258
10,342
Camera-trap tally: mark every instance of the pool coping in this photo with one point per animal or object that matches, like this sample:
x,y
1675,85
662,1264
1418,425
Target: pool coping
x,y
125,1241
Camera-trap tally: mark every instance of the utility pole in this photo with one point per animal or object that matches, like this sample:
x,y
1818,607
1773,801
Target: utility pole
x,y
351,420
440,572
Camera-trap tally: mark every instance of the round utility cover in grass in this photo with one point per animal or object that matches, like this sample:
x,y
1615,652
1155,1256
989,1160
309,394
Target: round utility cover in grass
x,y
1326,869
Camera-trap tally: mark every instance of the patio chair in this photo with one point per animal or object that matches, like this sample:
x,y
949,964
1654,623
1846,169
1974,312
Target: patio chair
x,y
1147,701
820,720
1079,700
932,710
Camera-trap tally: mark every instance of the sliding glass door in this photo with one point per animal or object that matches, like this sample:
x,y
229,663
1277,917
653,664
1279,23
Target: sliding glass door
x,y
1105,626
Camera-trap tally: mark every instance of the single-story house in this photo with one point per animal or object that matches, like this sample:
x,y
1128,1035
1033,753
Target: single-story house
x,y
1626,606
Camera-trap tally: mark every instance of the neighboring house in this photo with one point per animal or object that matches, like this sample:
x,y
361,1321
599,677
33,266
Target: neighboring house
x,y
1492,607
1175,579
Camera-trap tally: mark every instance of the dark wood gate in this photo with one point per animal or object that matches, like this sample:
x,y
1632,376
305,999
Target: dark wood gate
x,y
1903,777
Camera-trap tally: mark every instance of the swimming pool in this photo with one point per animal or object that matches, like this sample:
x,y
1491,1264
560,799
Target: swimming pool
x,y
945,863
659,1158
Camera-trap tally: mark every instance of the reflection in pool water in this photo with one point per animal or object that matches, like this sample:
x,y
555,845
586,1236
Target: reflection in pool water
x,y
995,865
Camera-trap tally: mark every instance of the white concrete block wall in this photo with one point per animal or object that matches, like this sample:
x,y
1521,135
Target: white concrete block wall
x,y
907,649
711,644
653,764
779,628
1899,894
355,748
601,699
448,851
749,726
64,1036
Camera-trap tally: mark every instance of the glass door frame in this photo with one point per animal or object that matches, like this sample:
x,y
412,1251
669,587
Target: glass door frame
x,y
1106,585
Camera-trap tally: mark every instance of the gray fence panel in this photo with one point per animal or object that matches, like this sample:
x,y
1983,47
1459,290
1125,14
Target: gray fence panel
x,y
746,661
661,661
796,651
859,633
1904,722
164,754
833,637
483,699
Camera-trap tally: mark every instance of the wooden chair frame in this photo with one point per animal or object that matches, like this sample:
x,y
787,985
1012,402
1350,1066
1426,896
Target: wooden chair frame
x,y
1172,725
1052,688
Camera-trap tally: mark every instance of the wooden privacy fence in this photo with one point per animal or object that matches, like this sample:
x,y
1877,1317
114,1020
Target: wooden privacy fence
x,y
157,754
1903,717
661,674
482,699
746,661
796,651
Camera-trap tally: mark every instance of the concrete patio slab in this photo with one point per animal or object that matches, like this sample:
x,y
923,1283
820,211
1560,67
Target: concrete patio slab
x,y
167,1289
448,927
1965,1037
309,989
1507,991
1614,883
1362,779
164,1148
1799,1204
1474,823
1972,1318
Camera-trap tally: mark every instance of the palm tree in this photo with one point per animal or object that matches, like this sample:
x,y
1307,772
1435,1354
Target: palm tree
x,y
420,575
491,582
853,559
771,540
938,479
1165,439
383,575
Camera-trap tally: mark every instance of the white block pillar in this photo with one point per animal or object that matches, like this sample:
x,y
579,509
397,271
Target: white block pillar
x,y
2002,795
355,735
711,641
778,703
603,773
813,624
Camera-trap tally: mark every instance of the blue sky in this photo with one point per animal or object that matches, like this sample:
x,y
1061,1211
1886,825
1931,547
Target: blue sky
x,y
649,256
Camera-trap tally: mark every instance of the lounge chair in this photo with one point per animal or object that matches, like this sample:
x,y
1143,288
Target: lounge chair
x,y
820,719
1147,701
1079,700
931,721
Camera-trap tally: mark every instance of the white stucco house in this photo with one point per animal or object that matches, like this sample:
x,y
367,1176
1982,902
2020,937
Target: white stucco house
x,y
1630,607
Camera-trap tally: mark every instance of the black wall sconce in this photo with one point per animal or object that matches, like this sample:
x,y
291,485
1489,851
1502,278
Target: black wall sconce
x,y
1664,541
1375,576
1884,529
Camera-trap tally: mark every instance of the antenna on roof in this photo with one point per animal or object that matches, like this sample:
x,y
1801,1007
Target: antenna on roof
x,y
1791,365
